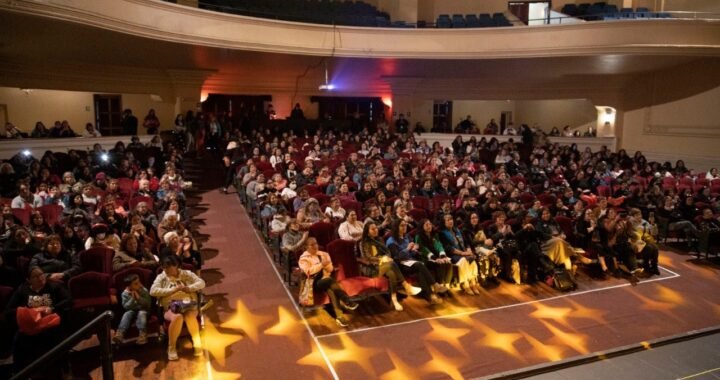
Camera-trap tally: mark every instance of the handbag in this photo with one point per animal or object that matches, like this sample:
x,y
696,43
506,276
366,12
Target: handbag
x,y
306,296
181,306
563,281
31,322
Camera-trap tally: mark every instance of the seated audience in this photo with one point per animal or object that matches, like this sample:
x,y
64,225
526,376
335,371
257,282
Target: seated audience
x,y
177,292
59,264
40,309
406,253
317,265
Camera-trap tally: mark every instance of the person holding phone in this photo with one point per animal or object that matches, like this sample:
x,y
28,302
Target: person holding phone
x,y
188,255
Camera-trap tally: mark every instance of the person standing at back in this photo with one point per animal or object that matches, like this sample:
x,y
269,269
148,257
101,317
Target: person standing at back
x,y
129,123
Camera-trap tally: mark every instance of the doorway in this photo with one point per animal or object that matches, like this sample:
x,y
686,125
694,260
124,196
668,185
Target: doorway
x,y
108,114
506,118
531,12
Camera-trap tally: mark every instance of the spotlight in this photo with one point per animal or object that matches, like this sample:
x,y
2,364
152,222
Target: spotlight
x,y
104,157
327,86
26,153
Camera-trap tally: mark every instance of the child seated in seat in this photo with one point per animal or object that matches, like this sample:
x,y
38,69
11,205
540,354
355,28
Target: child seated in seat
x,y
136,301
488,261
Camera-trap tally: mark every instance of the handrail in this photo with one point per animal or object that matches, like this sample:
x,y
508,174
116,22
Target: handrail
x,y
333,16
676,15
261,13
102,320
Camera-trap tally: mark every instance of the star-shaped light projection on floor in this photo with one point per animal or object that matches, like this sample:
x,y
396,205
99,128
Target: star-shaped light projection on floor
x,y
288,326
246,321
444,364
577,342
314,358
714,307
542,350
518,293
669,295
497,340
558,314
216,342
211,374
401,371
448,335
584,312
351,352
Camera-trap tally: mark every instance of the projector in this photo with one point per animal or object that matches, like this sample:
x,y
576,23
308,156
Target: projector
x,y
326,87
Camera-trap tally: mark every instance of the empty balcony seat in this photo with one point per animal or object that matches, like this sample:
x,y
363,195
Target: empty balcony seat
x,y
610,9
472,21
569,9
627,13
382,22
582,9
485,20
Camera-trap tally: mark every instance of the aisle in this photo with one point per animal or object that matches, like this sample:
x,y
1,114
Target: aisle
x,y
246,290
253,330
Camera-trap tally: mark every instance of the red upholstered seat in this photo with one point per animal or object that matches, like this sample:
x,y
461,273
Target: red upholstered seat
x,y
5,294
421,203
97,259
22,214
313,189
125,185
146,278
347,273
418,214
51,213
354,206
548,199
323,232
90,290
567,226
437,202
358,285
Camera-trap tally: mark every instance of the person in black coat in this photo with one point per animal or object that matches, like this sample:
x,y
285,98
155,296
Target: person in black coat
x,y
58,263
47,297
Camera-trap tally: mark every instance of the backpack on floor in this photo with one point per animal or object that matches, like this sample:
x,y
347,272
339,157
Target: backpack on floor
x,y
562,280
546,268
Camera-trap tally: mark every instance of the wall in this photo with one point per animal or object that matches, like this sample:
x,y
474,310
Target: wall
x,y
558,4
546,113
428,10
481,110
405,10
555,113
283,103
686,129
24,110
679,5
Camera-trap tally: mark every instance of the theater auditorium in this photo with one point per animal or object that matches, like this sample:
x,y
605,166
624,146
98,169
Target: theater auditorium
x,y
347,189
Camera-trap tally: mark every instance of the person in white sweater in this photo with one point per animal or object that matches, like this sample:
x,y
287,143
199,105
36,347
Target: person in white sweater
x,y
177,292
351,229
